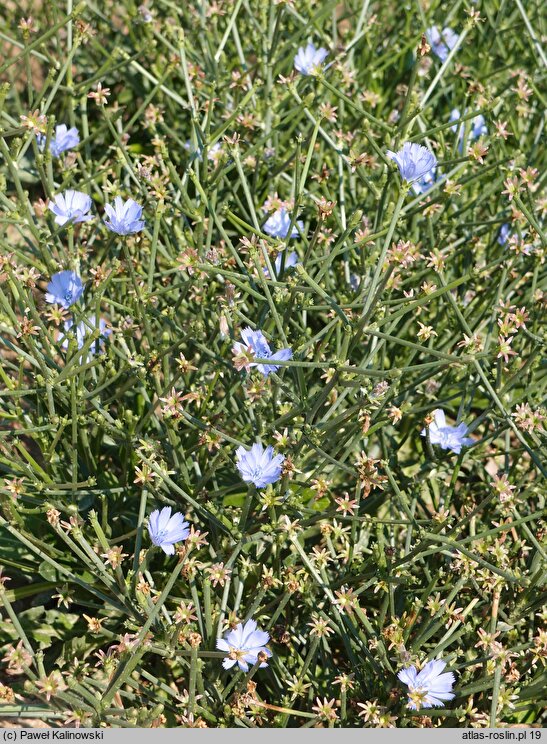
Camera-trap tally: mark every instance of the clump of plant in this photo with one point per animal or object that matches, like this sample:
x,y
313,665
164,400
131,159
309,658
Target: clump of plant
x,y
272,296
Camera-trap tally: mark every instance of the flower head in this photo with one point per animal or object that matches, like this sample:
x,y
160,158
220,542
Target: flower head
x,y
166,530
478,127
243,645
100,94
428,688
278,224
447,437
83,328
441,41
125,217
50,686
308,59
256,345
35,121
65,288
291,259
504,233
516,241
414,161
214,152
72,206
424,183
258,465
64,139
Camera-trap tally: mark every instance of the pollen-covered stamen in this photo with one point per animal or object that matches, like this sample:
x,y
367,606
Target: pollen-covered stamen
x,y
418,697
236,654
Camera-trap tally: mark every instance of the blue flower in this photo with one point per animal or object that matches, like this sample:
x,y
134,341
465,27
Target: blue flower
x,y
291,259
243,645
447,437
258,465
414,161
125,217
505,232
424,183
64,139
166,530
354,281
82,330
65,288
441,41
214,152
478,127
146,15
71,206
515,240
256,345
428,688
278,225
309,59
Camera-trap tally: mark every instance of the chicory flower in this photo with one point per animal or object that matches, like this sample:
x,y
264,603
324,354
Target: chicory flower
x,y
242,646
124,217
441,41
279,223
258,465
451,438
64,289
71,206
165,529
63,139
308,59
414,161
428,688
255,345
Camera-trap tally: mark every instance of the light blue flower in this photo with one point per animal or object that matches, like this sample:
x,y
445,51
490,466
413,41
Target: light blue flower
x,y
64,139
447,437
478,127
308,59
441,41
278,224
291,259
428,688
71,206
425,182
505,232
258,465
65,288
243,645
125,217
214,152
166,530
82,330
414,161
515,240
255,344
146,15
354,281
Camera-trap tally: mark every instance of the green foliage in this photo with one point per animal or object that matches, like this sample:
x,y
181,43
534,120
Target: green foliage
x,y
377,549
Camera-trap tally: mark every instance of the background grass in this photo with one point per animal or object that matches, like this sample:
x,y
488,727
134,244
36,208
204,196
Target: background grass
x,y
433,549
